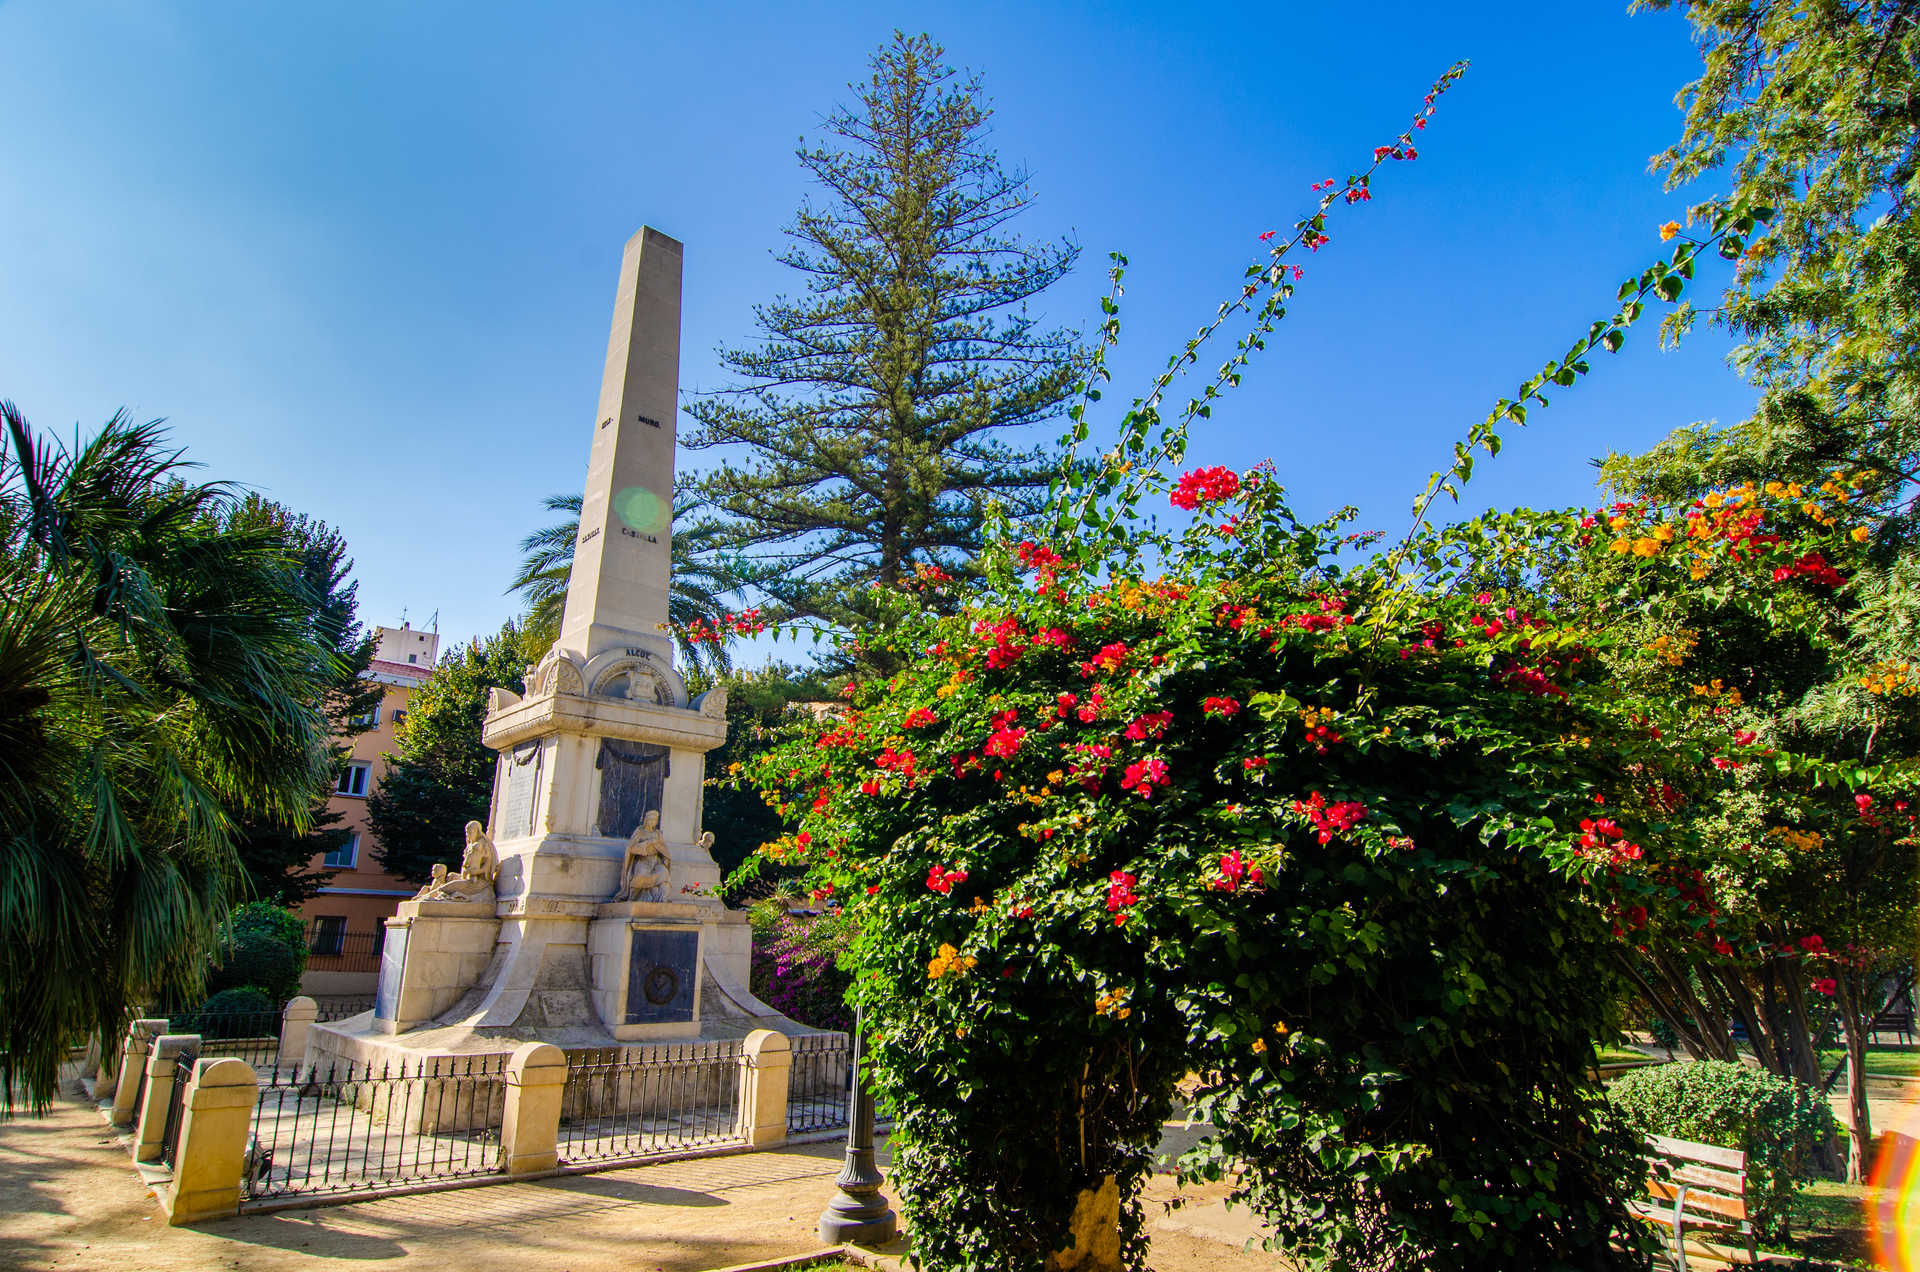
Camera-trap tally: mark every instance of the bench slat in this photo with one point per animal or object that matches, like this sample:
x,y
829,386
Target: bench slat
x,y
1706,1177
1708,1154
1709,1203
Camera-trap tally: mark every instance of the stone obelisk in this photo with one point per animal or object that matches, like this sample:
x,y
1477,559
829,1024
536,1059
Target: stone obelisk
x,y
587,913
617,595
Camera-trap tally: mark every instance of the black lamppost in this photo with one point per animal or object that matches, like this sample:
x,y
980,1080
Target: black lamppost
x,y
858,1214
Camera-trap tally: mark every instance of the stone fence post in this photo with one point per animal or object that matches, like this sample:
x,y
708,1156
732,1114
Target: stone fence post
x,y
211,1161
530,1124
766,1066
163,1070
130,1078
295,1020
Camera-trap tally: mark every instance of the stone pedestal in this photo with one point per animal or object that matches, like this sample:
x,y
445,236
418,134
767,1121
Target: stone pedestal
x,y
646,958
434,952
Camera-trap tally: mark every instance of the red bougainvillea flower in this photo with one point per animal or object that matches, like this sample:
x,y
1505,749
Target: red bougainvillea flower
x,y
803,839
941,879
1109,658
1723,949
1151,725
1233,871
1826,985
1221,706
1254,763
920,718
1065,704
1120,895
1143,775
1204,486
1330,819
1004,742
1813,942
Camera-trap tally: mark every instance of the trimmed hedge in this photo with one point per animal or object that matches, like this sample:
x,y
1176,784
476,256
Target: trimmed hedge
x,y
1777,1122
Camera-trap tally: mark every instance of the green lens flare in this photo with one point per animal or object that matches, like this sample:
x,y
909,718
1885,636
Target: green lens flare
x,y
642,510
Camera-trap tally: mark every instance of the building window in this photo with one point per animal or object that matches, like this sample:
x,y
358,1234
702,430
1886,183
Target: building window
x,y
368,720
353,780
329,934
398,715
346,855
413,658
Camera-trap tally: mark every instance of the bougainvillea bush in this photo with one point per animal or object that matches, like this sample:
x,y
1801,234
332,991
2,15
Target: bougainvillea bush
x,y
1100,835
1345,847
796,970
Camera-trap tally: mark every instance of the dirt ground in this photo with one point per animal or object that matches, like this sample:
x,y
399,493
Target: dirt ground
x,y
70,1199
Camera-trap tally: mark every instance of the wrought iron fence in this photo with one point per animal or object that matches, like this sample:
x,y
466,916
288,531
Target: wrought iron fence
x,y
663,1099
340,1128
339,1008
334,951
820,1084
253,1036
176,1107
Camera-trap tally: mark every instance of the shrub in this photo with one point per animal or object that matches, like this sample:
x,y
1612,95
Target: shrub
x,y
796,967
1776,1121
266,949
244,1012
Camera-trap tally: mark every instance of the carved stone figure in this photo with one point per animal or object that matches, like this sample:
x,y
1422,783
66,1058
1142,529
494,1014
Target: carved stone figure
x,y
647,867
480,862
434,884
479,867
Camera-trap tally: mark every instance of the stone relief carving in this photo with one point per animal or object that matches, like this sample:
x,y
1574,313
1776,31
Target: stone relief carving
x,y
635,680
648,867
479,868
713,703
566,677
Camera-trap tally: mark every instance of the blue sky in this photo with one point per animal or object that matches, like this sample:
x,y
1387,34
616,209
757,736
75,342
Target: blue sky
x,y
362,256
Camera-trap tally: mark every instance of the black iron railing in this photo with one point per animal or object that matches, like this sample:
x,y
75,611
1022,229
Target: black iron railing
x,y
664,1099
336,951
820,1083
176,1107
341,1008
253,1036
343,1127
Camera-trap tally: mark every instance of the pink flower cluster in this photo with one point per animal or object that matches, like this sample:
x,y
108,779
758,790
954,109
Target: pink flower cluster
x,y
1120,895
1204,486
1234,870
941,879
1330,819
1143,775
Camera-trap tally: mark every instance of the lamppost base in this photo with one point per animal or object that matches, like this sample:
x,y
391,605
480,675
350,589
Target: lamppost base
x,y
858,1224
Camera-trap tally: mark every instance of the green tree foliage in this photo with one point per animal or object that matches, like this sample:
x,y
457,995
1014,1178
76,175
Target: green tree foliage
x,y
761,707
1811,109
701,581
278,856
159,686
440,776
871,414
265,950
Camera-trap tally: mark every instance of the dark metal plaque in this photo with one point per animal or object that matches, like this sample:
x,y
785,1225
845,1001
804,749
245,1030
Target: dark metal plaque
x,y
633,780
660,976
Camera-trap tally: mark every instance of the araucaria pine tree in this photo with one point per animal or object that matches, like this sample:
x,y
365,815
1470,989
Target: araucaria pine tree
x,y
874,412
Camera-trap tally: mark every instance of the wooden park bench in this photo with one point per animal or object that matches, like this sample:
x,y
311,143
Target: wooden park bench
x,y
1694,1192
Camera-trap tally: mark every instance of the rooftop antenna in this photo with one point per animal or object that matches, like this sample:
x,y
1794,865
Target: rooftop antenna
x,y
403,616
434,622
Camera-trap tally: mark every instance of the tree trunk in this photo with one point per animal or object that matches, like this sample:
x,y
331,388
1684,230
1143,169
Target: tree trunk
x,y
1859,1113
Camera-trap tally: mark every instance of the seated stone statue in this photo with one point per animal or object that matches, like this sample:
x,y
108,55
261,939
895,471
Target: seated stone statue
x,y
479,867
647,867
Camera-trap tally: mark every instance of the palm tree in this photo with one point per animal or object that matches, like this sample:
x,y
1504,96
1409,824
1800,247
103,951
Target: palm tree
x,y
160,671
700,581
